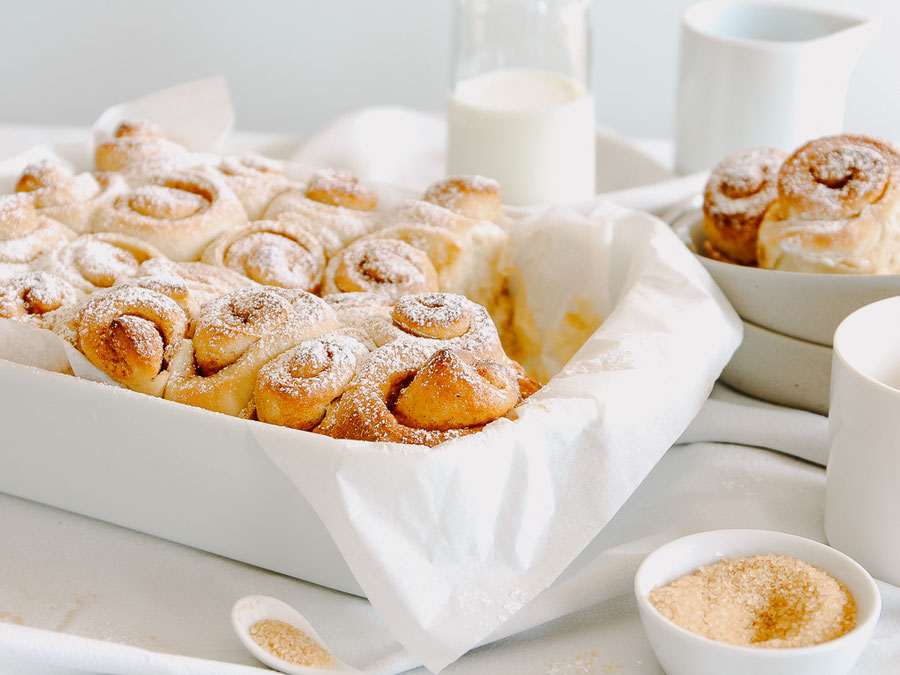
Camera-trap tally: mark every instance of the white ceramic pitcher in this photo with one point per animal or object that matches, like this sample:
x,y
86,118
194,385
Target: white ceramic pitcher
x,y
761,74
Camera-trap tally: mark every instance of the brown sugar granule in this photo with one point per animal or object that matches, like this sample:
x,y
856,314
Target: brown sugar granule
x,y
771,601
290,643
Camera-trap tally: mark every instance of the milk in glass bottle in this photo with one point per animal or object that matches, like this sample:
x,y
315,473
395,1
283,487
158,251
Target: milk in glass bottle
x,y
521,110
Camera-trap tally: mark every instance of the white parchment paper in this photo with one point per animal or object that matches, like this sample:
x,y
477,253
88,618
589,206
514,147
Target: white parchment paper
x,y
450,542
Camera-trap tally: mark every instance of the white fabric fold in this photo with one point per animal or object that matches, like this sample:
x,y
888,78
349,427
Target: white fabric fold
x,y
731,417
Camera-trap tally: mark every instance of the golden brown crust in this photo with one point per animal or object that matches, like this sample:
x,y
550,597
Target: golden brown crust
x,y
297,388
455,395
24,234
739,191
474,196
131,333
275,253
341,188
454,389
237,334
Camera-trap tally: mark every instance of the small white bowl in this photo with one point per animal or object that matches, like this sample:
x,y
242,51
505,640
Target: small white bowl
x,y
681,652
802,305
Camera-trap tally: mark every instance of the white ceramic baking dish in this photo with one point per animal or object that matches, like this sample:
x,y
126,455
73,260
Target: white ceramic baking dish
x,y
182,473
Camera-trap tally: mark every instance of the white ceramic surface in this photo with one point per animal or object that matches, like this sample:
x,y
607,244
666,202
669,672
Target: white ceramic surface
x,y
862,499
681,652
253,608
781,369
801,305
752,74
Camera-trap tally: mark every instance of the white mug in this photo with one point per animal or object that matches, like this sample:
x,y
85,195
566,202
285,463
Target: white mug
x,y
755,74
862,497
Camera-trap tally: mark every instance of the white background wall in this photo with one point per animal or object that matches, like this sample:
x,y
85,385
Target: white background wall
x,y
293,64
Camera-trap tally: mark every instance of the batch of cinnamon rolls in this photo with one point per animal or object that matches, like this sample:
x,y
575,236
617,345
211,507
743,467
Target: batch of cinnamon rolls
x,y
831,206
223,284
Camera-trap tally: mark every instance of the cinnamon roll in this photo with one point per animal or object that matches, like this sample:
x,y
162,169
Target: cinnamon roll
x,y
255,180
470,256
341,188
24,234
474,196
440,320
387,266
296,388
135,143
94,261
70,199
191,284
838,209
131,333
738,193
334,226
179,213
32,297
237,334
275,253
408,393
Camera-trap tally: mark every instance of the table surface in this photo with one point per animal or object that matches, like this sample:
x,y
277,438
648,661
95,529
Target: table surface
x,y
68,574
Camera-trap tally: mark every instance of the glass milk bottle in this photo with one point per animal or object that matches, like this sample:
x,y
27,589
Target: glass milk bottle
x,y
520,109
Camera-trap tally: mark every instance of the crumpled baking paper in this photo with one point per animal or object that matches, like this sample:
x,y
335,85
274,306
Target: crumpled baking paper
x,y
450,542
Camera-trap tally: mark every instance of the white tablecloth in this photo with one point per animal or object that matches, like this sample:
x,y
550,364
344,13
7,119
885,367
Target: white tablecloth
x,y
67,581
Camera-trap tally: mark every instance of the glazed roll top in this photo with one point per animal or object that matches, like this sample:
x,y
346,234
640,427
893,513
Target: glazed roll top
x,y
837,209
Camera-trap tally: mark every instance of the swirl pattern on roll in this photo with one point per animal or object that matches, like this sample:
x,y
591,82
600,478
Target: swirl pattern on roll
x,y
235,335
94,261
179,213
31,296
837,209
296,388
440,320
274,253
131,333
387,266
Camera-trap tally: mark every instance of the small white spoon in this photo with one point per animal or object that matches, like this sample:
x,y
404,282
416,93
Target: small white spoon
x,y
253,608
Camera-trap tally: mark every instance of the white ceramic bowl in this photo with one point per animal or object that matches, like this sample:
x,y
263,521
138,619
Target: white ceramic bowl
x,y
681,652
802,305
781,369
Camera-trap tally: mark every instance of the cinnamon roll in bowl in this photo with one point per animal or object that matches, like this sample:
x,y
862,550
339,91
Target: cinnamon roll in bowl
x,y
838,209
